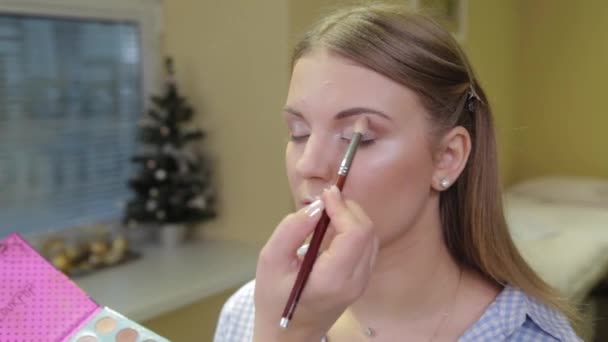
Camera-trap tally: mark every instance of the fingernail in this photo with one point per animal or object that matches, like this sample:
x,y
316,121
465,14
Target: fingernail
x,y
314,208
302,250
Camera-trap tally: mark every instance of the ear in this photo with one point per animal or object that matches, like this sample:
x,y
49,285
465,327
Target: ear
x,y
451,157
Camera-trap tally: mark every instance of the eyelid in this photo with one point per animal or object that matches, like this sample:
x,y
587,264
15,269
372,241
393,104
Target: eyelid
x,y
348,135
297,128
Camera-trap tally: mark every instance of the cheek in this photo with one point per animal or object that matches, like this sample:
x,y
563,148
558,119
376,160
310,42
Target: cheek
x,y
391,164
392,183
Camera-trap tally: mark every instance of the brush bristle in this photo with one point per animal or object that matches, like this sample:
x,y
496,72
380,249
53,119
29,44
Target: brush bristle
x,y
361,125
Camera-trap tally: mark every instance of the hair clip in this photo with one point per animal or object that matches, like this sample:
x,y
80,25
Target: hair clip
x,y
472,99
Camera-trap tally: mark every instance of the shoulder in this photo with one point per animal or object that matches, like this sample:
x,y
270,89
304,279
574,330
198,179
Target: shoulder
x,y
548,320
516,316
237,316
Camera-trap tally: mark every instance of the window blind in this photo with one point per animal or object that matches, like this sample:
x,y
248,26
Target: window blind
x,y
70,98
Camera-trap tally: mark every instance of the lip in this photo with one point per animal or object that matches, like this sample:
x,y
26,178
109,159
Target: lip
x,y
307,200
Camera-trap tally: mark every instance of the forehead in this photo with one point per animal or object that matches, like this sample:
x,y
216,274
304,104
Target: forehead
x,y
326,81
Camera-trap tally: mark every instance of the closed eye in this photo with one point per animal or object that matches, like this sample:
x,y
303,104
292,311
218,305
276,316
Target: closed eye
x,y
298,138
366,139
299,131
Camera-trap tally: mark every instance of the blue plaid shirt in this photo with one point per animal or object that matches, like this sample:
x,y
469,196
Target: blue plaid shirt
x,y
513,316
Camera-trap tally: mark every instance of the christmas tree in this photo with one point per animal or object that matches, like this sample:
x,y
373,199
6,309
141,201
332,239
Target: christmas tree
x,y
172,183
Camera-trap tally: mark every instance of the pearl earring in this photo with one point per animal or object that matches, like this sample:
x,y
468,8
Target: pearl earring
x,y
444,183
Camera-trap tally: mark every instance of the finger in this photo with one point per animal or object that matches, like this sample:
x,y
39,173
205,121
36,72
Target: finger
x,y
366,263
290,234
362,272
359,214
339,206
343,214
357,211
342,271
354,234
346,251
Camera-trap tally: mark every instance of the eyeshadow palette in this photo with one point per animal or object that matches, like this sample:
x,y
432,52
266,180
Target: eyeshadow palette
x,y
37,302
110,326
40,303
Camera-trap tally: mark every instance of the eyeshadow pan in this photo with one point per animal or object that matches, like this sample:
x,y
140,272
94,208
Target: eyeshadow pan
x,y
105,325
127,335
87,339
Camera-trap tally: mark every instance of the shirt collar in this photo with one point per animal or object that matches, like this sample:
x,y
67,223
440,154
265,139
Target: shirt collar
x,y
510,310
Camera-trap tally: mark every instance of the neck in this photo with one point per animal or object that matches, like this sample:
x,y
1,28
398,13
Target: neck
x,y
414,278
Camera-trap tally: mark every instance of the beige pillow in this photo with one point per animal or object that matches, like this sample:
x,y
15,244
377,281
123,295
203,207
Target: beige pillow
x,y
579,191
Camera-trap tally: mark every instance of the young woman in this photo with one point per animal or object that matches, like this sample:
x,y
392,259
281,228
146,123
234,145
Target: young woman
x,y
418,248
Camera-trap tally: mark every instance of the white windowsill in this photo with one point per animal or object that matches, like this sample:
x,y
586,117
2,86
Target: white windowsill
x,y
165,280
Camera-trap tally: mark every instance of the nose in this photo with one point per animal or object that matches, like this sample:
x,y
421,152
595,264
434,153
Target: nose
x,y
319,160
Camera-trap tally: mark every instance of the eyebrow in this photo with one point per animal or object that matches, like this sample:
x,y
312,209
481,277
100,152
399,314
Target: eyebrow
x,y
344,113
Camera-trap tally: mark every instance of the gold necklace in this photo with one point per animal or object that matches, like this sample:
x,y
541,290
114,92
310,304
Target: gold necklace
x,y
370,332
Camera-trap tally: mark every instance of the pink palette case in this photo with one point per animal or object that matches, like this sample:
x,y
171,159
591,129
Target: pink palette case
x,y
39,303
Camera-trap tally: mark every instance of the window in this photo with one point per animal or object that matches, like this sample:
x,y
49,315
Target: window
x,y
72,86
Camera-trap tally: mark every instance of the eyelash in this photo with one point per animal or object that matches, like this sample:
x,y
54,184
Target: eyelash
x,y
364,141
298,139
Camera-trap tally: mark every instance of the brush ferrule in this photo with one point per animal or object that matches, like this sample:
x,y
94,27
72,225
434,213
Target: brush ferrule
x,y
349,155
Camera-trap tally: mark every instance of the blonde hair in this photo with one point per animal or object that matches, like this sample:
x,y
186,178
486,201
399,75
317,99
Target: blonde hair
x,y
414,51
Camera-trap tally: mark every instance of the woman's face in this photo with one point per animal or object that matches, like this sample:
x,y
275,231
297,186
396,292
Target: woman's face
x,y
391,175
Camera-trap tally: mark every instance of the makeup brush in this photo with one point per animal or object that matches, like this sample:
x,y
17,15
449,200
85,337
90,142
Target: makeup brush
x,y
319,232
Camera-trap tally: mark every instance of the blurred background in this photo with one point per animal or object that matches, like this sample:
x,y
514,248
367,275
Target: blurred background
x,y
77,80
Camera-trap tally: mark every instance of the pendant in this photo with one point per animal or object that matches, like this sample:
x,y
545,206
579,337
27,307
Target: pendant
x,y
369,332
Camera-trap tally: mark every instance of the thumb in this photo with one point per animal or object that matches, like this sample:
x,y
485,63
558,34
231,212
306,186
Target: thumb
x,y
290,234
337,209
